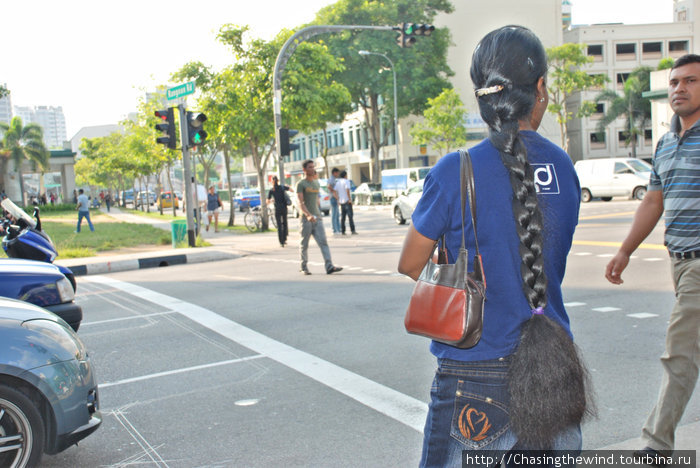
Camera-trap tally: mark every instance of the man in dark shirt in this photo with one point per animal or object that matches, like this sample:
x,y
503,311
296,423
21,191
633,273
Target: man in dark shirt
x,y
278,193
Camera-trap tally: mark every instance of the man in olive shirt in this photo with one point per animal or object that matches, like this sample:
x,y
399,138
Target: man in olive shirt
x,y
311,222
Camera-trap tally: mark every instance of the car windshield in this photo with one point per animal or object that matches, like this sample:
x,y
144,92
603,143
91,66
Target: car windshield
x,y
639,165
249,192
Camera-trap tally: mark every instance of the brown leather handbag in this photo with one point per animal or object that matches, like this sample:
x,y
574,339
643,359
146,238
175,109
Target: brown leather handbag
x,y
447,304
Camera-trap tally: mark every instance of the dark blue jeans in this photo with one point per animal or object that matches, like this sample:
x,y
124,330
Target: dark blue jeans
x,y
86,215
469,411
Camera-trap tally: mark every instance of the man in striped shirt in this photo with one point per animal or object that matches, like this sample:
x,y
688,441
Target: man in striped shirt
x,y
674,188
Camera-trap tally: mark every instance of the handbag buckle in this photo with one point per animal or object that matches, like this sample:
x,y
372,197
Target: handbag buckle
x,y
436,274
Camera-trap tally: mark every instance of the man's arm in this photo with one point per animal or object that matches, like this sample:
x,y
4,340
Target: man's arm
x,y
645,219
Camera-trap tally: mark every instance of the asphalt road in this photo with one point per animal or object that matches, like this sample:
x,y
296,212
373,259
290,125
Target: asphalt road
x,y
248,363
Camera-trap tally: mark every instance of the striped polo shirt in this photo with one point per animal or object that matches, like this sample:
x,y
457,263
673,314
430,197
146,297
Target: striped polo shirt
x,y
676,171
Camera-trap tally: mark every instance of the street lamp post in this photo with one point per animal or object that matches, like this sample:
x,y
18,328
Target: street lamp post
x,y
396,120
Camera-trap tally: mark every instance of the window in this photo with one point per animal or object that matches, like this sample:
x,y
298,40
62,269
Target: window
x,y
677,48
647,137
599,111
621,78
651,50
622,168
622,136
596,51
626,51
597,140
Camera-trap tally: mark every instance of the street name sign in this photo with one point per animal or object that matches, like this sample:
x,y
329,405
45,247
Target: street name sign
x,y
180,90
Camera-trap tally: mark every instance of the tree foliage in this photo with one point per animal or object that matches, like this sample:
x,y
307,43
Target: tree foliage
x,y
421,70
23,143
665,63
443,126
566,77
635,108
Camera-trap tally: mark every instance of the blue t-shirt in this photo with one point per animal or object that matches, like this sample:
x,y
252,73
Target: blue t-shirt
x,y
559,195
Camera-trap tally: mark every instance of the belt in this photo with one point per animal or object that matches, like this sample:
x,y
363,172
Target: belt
x,y
685,255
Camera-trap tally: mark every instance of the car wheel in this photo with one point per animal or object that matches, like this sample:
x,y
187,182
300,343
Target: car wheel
x,y
398,216
21,429
585,195
606,198
639,193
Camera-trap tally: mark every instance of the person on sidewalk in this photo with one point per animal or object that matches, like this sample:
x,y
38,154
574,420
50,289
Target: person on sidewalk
x,y
345,200
213,208
311,223
279,194
672,189
335,216
83,210
108,201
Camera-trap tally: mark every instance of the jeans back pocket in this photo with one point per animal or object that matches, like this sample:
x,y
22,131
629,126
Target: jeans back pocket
x,y
480,415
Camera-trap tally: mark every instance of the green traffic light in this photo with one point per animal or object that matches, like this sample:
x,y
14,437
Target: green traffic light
x,y
409,28
197,138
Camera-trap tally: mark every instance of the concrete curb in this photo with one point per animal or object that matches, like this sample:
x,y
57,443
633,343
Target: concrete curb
x,y
117,263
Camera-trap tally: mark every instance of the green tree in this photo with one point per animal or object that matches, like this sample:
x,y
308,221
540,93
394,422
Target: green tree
x,y
443,126
665,63
24,142
3,91
421,70
566,77
635,108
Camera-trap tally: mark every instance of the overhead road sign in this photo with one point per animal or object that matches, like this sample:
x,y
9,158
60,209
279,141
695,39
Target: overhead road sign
x,y
180,90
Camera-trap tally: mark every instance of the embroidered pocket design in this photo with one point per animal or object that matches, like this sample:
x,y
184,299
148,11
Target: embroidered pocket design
x,y
470,419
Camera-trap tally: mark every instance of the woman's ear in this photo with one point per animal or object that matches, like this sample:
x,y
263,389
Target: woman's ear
x,y
542,89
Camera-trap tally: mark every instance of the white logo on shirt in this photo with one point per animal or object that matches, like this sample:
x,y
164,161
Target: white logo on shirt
x,y
546,181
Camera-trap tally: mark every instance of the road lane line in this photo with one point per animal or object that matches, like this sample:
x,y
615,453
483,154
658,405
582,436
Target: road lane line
x,y
178,371
131,317
609,215
618,244
392,403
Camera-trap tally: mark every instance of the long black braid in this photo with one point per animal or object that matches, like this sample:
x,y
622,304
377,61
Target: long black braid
x,y
547,380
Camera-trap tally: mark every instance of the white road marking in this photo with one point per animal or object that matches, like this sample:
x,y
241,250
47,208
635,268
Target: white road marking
x,y
368,270
148,449
608,255
654,259
606,309
642,315
574,304
396,405
382,272
179,371
583,254
121,319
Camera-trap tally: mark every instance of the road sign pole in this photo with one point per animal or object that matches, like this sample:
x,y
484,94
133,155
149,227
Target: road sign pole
x,y
189,179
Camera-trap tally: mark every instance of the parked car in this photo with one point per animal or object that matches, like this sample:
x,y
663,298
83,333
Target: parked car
x,y
48,391
143,198
402,207
367,194
127,197
165,200
612,177
247,198
42,284
397,181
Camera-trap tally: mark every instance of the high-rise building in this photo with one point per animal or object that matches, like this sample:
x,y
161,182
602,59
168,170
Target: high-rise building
x,y
51,120
6,108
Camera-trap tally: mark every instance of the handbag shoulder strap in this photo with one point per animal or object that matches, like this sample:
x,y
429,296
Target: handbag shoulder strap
x,y
467,191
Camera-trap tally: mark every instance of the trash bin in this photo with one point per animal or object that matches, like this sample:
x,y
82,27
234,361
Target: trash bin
x,y
179,231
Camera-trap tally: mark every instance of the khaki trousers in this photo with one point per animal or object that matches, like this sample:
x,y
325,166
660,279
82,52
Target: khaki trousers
x,y
681,359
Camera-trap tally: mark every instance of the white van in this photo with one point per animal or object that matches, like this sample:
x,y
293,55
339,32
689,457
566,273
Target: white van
x,y
397,181
613,177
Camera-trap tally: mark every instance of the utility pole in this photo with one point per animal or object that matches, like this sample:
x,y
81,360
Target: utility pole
x,y
190,198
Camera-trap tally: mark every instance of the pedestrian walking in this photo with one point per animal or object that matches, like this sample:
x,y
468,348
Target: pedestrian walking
x,y
108,201
345,199
672,190
311,223
335,216
83,206
213,208
521,386
278,193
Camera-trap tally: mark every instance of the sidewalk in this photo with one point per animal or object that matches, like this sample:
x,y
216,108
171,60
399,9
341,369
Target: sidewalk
x,y
225,245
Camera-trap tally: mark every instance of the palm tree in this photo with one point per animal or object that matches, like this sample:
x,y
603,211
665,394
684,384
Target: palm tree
x,y
24,142
635,108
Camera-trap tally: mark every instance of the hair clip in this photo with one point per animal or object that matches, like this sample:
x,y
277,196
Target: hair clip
x,y
530,62
538,311
489,90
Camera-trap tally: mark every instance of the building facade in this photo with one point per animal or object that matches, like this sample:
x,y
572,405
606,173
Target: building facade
x,y
6,108
50,118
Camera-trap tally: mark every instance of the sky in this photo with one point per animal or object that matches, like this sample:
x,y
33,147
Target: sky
x,y
95,58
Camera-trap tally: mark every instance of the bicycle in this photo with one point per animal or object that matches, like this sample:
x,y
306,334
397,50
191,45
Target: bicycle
x,y
253,218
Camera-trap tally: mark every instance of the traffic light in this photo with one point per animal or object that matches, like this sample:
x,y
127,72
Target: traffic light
x,y
167,127
286,147
195,131
409,31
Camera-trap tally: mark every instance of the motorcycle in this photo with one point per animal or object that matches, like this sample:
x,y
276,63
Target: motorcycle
x,y
25,239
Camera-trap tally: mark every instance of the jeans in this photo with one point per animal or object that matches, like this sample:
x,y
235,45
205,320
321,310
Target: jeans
x,y
347,210
281,220
469,412
86,215
335,217
315,229
681,359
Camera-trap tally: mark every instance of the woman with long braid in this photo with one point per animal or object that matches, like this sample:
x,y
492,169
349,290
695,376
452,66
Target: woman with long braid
x,y
522,386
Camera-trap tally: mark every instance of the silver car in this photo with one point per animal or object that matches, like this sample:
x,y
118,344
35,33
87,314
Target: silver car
x,y
48,392
402,207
